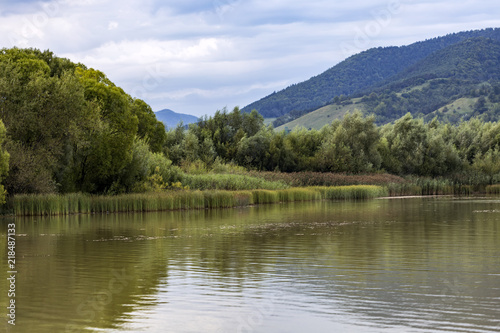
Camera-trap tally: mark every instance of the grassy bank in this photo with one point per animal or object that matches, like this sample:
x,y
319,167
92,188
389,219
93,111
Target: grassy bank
x,y
40,205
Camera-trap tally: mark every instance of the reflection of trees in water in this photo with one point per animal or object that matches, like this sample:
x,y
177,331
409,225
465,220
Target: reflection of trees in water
x,y
85,271
380,258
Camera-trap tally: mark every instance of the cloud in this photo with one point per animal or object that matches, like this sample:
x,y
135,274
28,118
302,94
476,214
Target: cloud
x,y
113,25
198,56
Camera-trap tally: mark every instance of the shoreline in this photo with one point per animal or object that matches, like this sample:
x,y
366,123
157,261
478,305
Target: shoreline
x,y
56,205
78,203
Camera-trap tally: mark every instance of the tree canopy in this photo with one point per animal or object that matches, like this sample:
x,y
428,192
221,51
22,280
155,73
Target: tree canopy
x,y
69,128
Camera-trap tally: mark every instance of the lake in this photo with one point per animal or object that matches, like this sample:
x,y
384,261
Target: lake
x,y
385,265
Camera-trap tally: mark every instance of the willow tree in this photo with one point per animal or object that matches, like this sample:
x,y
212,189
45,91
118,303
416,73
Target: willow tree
x,y
350,145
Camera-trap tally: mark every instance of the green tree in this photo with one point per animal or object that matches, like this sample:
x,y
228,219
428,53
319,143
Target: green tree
x,y
252,122
488,163
440,157
350,145
405,143
226,129
149,128
146,171
207,152
41,113
172,148
305,144
281,155
4,163
191,147
467,138
110,144
253,152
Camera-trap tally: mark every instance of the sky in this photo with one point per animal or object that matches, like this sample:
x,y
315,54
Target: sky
x,y
196,57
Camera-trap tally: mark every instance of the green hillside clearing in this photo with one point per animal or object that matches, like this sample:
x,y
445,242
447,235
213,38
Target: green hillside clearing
x,y
322,116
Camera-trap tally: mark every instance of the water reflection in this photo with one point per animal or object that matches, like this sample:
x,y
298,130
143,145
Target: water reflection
x,y
412,265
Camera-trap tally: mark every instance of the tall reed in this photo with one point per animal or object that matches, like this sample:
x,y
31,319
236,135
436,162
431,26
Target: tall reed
x,y
353,192
36,205
299,194
493,189
308,178
50,204
230,182
427,186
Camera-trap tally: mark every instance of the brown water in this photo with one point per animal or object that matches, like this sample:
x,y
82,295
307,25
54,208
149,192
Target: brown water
x,y
388,265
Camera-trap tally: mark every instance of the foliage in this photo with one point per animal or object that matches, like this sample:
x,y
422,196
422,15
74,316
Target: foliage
x,y
488,164
354,192
411,147
69,128
4,163
147,171
40,113
222,132
350,145
353,145
149,128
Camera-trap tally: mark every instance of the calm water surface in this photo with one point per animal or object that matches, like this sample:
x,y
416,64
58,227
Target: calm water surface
x,y
387,265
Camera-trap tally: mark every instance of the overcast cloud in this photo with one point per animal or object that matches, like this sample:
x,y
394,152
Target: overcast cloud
x,y
196,56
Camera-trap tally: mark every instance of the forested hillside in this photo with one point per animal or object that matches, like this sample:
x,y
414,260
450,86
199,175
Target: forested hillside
x,y
360,73
468,71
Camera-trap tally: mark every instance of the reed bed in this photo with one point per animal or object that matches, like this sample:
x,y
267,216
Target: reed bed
x,y
265,196
38,205
50,204
353,192
309,178
299,194
148,202
493,189
231,182
403,189
227,199
424,186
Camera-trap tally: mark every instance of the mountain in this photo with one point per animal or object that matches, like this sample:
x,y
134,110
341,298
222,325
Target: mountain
x,y
454,83
171,118
360,74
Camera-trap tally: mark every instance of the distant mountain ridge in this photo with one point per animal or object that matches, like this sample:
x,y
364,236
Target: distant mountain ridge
x,y
473,59
454,83
373,70
171,118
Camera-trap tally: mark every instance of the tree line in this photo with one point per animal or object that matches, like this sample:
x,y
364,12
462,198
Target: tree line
x,y
468,152
67,128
